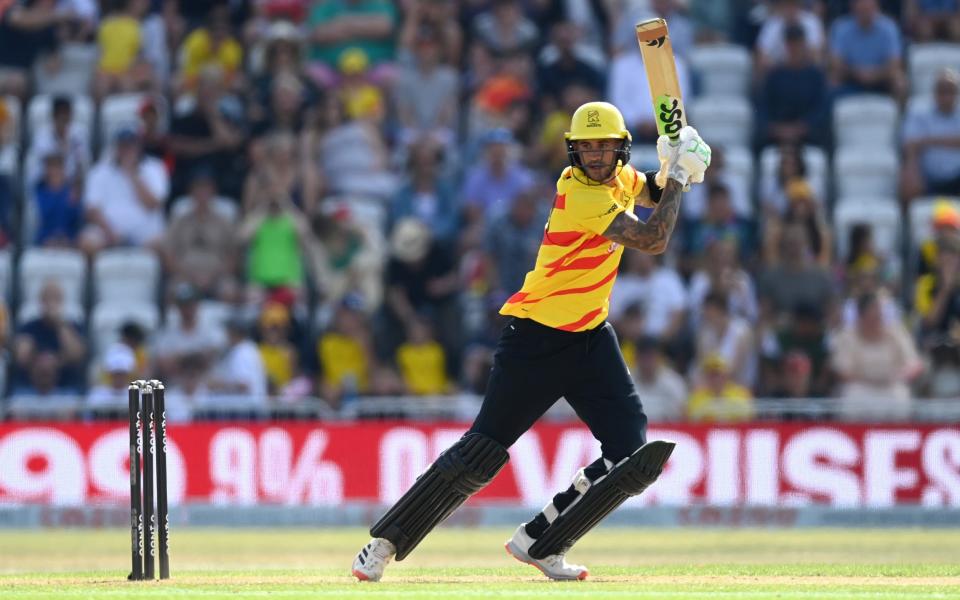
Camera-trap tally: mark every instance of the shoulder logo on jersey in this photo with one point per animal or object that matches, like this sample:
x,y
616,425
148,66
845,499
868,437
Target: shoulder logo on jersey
x,y
612,209
593,118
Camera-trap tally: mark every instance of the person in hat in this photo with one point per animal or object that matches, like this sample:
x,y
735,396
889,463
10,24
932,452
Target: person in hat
x,y
946,229
63,135
718,397
361,99
124,197
280,358
557,342
119,367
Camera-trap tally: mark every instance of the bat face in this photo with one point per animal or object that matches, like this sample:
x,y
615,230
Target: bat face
x,y
654,40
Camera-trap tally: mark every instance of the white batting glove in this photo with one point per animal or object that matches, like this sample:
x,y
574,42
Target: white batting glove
x,y
687,158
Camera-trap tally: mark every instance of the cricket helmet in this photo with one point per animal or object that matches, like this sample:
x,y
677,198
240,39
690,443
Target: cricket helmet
x,y
596,121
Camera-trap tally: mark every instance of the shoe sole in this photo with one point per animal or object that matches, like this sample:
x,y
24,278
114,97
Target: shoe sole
x,y
522,557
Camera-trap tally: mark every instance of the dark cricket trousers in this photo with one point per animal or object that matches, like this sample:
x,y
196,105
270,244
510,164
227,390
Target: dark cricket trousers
x,y
534,365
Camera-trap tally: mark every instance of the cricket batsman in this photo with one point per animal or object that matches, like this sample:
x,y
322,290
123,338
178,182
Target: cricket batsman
x,y
557,343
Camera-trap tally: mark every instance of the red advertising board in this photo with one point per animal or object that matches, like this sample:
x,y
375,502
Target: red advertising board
x,y
300,463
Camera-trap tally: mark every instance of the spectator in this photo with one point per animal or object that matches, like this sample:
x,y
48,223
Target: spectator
x,y
662,390
208,135
187,337
793,278
864,278
931,139
794,105
240,371
875,361
422,362
804,212
946,229
428,195
944,375
495,182
153,132
718,397
495,99
512,243
730,337
773,190
122,67
27,31
119,365
133,336
804,332
422,280
286,111
346,258
721,272
59,208
775,37
361,99
435,19
426,94
188,393
932,20
563,63
720,222
275,234
796,380
550,147
211,45
64,136
937,294
282,57
282,173
280,358
644,280
339,25
48,351
124,198
866,48
345,353
504,28
200,245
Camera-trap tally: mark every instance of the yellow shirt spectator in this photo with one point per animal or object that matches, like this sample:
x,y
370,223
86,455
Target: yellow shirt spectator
x,y
278,363
343,358
199,51
119,40
733,403
423,367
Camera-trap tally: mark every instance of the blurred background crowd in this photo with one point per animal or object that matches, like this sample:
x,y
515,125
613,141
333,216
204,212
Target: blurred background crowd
x,y
295,199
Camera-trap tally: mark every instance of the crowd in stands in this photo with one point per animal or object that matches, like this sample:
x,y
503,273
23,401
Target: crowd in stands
x,y
333,198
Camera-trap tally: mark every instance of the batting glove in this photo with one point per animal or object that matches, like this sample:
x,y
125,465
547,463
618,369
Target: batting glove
x,y
687,158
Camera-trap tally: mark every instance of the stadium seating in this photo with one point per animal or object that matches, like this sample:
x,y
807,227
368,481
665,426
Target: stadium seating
x,y
723,69
123,109
924,60
723,120
882,214
225,207
109,316
865,172
866,120
39,112
818,170
67,267
125,275
6,273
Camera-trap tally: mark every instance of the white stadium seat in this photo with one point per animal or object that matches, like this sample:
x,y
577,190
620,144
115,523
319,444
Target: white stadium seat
x,y
882,214
722,120
210,313
866,120
227,207
724,69
126,274
739,163
67,267
865,172
39,112
924,60
121,110
818,169
108,316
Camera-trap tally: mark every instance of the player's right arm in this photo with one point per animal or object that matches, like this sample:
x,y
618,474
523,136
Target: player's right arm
x,y
650,236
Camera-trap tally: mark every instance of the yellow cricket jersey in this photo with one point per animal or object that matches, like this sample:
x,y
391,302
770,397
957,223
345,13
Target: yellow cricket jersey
x,y
119,41
569,286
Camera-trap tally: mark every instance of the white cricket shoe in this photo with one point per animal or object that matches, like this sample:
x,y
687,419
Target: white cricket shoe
x,y
372,559
553,566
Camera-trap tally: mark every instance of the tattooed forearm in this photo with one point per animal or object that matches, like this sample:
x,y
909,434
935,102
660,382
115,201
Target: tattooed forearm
x,y
650,237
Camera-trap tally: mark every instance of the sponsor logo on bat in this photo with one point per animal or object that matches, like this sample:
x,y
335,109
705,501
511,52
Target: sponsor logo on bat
x,y
670,115
657,43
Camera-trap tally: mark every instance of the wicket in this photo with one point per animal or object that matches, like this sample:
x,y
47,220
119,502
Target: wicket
x,y
148,419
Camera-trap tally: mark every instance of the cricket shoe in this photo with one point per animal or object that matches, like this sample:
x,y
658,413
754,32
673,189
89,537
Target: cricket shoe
x,y
372,559
553,566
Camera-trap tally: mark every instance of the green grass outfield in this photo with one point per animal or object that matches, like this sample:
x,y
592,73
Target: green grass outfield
x,y
461,564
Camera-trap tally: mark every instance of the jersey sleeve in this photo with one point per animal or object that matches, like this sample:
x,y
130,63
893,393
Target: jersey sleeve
x,y
634,182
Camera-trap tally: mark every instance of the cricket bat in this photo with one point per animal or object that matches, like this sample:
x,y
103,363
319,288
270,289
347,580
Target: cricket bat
x,y
657,53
